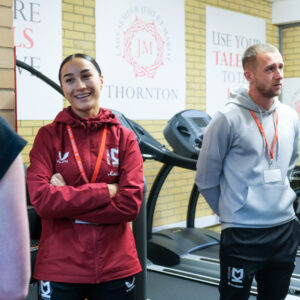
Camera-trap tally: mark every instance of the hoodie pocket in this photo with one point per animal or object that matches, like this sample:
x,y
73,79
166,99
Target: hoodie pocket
x,y
267,204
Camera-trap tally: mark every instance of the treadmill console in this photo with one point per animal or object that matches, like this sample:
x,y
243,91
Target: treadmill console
x,y
184,132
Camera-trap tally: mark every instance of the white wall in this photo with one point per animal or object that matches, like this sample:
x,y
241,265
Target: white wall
x,y
285,11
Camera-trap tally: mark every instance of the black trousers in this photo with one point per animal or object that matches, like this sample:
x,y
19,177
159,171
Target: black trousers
x,y
113,290
266,254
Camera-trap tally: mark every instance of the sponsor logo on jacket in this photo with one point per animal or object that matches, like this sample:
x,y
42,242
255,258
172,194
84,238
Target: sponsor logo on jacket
x,y
113,157
113,174
62,159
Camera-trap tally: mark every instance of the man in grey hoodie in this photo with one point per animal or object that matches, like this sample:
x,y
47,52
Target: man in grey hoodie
x,y
248,153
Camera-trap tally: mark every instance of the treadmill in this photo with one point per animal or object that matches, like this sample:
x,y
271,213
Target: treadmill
x,y
187,285
171,250
184,132
180,282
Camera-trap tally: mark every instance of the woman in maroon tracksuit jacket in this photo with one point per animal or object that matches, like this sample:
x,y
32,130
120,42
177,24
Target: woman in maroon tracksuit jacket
x,y
85,180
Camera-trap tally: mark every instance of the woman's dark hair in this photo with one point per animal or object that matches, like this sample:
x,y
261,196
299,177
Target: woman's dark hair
x,y
78,55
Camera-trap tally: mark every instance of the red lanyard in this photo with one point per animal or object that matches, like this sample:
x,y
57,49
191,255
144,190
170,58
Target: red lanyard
x,y
78,159
264,134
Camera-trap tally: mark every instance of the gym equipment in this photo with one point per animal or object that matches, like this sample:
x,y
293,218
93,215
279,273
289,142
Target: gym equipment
x,y
185,130
152,149
168,247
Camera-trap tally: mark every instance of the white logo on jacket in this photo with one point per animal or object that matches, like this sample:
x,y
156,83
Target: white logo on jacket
x,y
113,156
112,173
62,159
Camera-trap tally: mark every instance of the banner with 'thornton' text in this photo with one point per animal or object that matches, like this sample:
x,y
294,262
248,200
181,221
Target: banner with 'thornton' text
x,y
140,48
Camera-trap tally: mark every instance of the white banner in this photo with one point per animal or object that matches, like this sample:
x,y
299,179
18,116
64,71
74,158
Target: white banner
x,y
228,35
38,42
140,48
291,93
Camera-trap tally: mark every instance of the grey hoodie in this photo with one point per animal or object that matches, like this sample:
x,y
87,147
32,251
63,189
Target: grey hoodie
x,y
234,157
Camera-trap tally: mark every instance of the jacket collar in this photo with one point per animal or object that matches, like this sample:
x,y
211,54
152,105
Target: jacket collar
x,y
69,117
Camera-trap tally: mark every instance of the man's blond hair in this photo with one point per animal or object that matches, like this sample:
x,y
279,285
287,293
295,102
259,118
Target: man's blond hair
x,y
249,57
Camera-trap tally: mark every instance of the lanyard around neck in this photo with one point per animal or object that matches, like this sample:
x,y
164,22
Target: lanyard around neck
x,y
271,151
78,158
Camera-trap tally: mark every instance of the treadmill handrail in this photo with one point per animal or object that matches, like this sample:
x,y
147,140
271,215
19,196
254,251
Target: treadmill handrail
x,y
191,212
168,157
153,196
40,75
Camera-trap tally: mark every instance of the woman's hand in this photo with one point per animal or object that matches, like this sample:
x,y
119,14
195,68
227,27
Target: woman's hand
x,y
113,189
57,180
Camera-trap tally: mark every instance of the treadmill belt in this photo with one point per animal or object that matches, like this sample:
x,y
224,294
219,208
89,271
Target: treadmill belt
x,y
211,251
165,287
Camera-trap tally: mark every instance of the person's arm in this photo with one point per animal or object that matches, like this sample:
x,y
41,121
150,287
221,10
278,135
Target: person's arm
x,y
210,161
124,207
14,234
212,198
51,201
58,180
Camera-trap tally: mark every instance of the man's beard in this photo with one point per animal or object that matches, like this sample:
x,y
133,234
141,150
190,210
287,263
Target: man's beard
x,y
268,93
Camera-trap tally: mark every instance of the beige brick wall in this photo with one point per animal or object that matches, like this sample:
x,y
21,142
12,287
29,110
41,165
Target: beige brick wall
x,y
7,81
78,28
291,51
